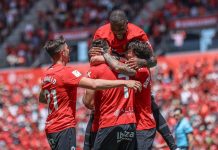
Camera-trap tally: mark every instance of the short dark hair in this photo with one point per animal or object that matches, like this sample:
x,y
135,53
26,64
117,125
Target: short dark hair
x,y
178,109
102,43
54,46
117,16
140,48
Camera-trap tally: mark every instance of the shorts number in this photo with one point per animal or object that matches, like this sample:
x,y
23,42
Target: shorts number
x,y
47,95
126,92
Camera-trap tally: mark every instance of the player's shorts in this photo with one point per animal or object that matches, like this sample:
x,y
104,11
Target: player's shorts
x,y
121,137
89,135
65,139
145,139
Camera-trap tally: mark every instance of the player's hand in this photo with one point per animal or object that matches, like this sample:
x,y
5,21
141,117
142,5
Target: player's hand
x,y
135,63
95,51
97,60
136,85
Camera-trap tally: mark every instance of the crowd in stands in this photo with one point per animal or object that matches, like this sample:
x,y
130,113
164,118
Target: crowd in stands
x,y
27,50
152,16
194,87
11,13
65,15
156,20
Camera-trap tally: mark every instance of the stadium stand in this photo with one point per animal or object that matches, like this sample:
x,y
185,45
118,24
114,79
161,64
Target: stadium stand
x,y
11,14
191,83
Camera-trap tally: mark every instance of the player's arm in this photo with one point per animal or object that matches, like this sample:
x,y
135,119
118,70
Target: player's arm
x,y
190,140
118,66
100,84
42,98
88,99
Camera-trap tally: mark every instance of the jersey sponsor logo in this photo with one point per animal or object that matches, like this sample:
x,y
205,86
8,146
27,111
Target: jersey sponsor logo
x,y
126,135
76,73
123,110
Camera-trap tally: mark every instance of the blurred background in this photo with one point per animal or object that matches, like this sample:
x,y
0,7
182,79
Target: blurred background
x,y
184,35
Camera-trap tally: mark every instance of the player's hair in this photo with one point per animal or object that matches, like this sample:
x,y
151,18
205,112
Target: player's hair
x,y
178,109
117,16
102,43
54,46
140,48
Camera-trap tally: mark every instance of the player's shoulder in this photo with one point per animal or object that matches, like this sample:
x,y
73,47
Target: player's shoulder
x,y
135,32
142,73
104,28
72,70
99,67
54,69
185,120
143,70
134,27
97,71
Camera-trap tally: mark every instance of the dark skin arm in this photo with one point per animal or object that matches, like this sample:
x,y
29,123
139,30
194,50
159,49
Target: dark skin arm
x,y
113,62
118,66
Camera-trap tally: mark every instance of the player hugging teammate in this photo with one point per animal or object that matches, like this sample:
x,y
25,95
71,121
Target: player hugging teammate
x,y
124,114
121,38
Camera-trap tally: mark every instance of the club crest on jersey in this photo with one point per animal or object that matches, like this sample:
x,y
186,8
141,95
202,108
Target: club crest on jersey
x,y
76,73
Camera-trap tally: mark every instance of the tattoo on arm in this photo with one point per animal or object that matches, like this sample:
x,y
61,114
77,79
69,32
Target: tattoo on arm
x,y
118,66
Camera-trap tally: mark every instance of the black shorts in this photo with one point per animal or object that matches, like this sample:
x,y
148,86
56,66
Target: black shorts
x,y
145,139
122,137
65,139
89,135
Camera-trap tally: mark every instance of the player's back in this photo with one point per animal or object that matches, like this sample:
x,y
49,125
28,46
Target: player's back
x,y
115,106
60,87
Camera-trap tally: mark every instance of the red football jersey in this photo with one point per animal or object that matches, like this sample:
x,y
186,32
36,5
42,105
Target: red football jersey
x,y
143,111
133,32
59,85
115,106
